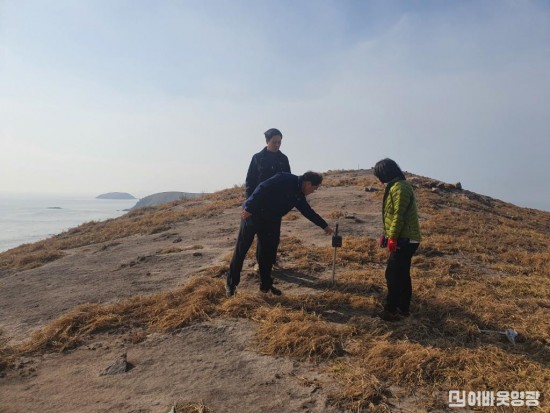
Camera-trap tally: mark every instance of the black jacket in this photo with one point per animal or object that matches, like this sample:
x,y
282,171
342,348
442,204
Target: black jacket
x,y
275,197
263,166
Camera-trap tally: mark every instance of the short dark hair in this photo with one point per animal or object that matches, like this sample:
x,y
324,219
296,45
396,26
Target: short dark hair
x,y
270,133
387,170
314,177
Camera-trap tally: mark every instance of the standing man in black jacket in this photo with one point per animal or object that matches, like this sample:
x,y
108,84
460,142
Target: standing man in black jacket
x,y
261,216
265,164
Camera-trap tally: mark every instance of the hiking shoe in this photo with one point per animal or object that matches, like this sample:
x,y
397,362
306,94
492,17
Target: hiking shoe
x,y
230,290
274,291
403,313
389,316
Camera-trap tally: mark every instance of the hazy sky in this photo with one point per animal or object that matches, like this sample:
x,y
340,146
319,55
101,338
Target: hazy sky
x,y
149,96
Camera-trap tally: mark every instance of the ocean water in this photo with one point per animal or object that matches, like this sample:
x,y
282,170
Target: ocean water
x,y
30,218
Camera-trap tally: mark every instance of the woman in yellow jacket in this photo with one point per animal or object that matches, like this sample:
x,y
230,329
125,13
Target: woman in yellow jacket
x,y
401,237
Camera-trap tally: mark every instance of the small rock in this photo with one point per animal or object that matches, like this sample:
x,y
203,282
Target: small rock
x,y
197,254
121,365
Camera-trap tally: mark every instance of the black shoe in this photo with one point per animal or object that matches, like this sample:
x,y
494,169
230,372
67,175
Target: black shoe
x,y
389,316
274,291
403,313
230,290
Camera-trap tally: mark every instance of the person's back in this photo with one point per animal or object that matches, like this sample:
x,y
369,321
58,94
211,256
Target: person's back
x,y
400,211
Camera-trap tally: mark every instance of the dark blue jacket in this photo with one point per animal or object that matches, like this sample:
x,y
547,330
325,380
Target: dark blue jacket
x,y
276,196
263,166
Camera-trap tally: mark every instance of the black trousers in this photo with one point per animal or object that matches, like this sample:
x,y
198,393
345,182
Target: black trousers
x,y
268,232
274,258
398,278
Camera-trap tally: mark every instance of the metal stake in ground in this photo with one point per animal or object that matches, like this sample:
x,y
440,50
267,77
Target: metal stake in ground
x,y
336,243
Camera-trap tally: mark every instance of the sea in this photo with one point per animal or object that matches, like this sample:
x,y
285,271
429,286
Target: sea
x,y
29,218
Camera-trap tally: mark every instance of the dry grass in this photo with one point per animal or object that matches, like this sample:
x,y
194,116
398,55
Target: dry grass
x,y
349,178
7,353
299,335
291,216
191,407
482,264
161,312
175,250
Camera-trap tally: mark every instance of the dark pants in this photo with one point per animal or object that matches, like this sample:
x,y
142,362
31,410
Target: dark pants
x,y
398,278
268,233
274,258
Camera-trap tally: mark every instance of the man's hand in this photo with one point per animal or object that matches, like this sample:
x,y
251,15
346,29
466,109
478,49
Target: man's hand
x,y
392,244
245,214
328,230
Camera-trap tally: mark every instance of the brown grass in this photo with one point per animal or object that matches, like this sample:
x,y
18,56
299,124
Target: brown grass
x,y
349,178
160,312
482,264
299,335
191,407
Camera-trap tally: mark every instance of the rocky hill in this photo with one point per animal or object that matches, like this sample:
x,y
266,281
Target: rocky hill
x,y
130,314
163,198
116,195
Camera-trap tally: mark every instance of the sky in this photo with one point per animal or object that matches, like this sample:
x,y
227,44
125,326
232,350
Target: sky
x,y
149,96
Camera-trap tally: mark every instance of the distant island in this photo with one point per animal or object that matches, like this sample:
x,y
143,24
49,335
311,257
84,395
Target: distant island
x,y
162,198
116,195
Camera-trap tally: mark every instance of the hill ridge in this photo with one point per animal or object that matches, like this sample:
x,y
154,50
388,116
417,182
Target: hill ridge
x,y
147,283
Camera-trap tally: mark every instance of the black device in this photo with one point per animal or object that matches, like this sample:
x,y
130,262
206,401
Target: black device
x,y
336,239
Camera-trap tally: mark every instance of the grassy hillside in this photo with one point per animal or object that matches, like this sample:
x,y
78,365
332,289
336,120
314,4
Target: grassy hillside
x,y
483,264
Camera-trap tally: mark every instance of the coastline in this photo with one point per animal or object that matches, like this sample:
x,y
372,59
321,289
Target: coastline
x,y
30,218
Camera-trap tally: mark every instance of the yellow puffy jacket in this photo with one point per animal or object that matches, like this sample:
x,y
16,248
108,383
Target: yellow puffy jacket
x,y
399,212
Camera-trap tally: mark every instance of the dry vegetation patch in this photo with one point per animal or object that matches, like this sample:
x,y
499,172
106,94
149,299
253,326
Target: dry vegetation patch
x,y
350,178
191,407
299,334
160,312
